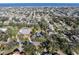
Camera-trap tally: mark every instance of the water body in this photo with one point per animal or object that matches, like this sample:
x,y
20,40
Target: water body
x,y
39,4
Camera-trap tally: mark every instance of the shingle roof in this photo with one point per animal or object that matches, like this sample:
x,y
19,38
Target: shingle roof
x,y
25,31
3,29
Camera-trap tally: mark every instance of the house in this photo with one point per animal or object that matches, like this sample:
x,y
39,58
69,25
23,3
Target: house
x,y
6,22
25,32
35,43
3,29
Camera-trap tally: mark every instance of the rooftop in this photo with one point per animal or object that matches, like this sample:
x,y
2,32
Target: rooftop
x,y
24,31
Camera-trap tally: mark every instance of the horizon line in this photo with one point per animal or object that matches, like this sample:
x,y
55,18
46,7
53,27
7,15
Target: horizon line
x,y
39,4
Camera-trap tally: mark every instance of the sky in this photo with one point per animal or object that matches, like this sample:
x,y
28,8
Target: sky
x,y
39,4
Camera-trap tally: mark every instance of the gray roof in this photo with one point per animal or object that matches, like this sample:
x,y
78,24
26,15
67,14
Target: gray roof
x,y
3,29
25,31
36,43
